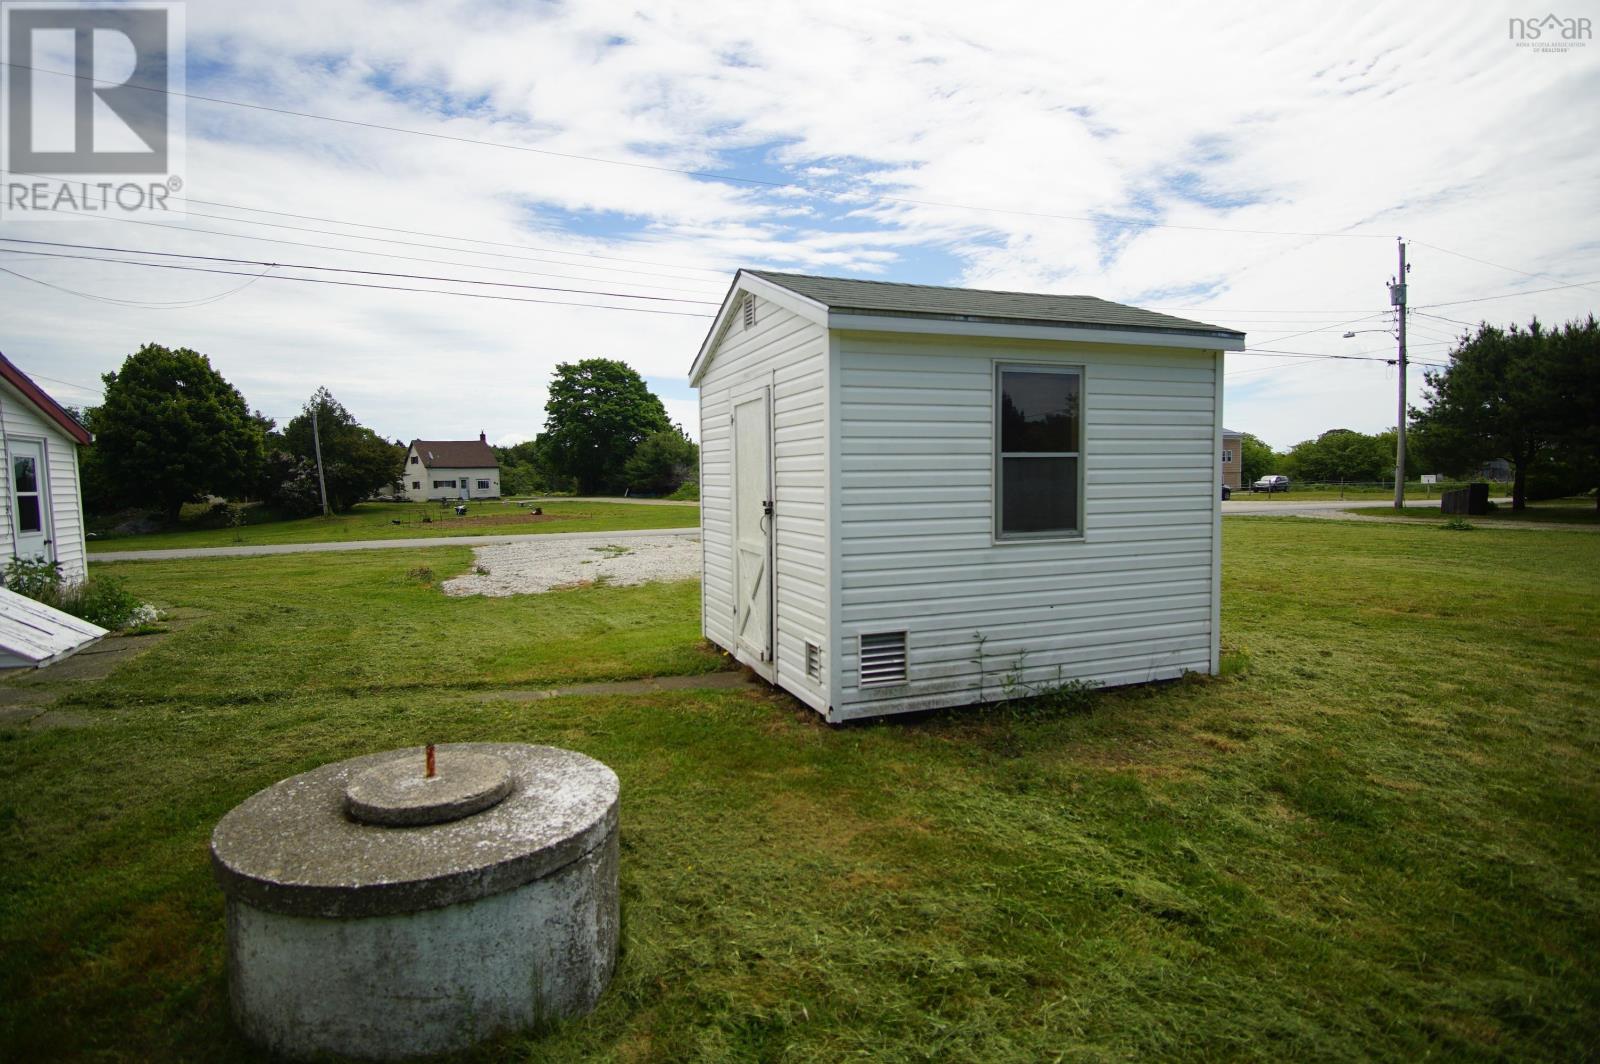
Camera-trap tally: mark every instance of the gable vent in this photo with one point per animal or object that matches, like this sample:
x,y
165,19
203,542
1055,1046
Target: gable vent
x,y
814,662
883,658
749,312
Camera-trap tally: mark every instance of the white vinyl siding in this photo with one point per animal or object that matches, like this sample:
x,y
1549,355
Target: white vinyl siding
x,y
1130,601
20,418
787,352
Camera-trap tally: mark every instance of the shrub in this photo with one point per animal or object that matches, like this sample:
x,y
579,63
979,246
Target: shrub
x,y
102,600
37,579
689,492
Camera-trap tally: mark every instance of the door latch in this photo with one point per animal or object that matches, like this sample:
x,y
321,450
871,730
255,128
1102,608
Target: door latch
x,y
766,507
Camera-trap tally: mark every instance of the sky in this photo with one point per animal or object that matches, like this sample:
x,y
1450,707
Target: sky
x,y
1244,164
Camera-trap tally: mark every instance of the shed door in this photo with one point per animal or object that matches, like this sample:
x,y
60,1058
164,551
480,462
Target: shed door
x,y
752,524
30,499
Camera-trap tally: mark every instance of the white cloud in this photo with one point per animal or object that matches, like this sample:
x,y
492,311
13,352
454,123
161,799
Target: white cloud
x,y
1414,119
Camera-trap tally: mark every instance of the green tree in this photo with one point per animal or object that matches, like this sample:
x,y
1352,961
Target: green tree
x,y
1256,459
598,413
357,463
1525,395
1340,455
171,430
663,462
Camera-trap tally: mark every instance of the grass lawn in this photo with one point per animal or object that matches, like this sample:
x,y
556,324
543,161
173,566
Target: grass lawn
x,y
1554,512
1377,838
396,520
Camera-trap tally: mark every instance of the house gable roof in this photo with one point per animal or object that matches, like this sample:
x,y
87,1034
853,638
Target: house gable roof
x,y
836,302
47,406
455,454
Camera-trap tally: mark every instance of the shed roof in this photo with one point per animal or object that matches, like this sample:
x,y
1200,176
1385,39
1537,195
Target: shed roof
x,y
47,406
456,454
936,301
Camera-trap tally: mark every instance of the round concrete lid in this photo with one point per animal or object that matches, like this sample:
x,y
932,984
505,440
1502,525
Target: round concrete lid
x,y
400,793
292,849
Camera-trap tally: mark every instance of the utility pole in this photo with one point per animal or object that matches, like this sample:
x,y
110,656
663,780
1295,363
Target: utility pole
x,y
316,439
1397,299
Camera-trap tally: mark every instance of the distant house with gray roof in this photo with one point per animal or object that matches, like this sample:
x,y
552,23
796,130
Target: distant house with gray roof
x,y
451,469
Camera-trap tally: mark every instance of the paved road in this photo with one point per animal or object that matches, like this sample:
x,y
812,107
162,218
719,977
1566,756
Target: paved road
x,y
379,544
1284,504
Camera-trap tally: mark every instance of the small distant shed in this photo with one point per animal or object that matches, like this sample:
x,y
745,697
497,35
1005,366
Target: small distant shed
x,y
915,497
41,511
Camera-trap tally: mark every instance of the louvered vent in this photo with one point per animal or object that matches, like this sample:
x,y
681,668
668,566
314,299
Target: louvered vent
x,y
814,662
749,312
883,658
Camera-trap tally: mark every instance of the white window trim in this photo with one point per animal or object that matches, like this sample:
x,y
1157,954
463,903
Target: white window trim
x,y
1077,535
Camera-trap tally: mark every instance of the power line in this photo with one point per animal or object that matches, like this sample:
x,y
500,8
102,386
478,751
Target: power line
x,y
362,284
705,174
346,269
408,232
1499,265
406,243
181,304
380,254
1507,295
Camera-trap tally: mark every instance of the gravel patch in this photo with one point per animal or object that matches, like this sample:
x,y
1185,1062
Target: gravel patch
x,y
535,566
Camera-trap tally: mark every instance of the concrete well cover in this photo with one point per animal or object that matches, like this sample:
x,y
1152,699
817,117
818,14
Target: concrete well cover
x,y
400,793
291,848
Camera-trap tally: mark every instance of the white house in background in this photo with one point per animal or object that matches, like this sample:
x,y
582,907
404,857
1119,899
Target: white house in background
x,y
915,497
43,504
451,469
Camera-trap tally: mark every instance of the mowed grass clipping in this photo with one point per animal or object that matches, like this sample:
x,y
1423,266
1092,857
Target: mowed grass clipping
x,y
395,520
1375,839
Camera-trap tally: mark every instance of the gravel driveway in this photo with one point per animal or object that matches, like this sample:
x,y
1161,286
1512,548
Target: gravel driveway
x,y
542,564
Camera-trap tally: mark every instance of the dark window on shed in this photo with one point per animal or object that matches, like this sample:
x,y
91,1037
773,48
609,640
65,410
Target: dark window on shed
x,y
1038,461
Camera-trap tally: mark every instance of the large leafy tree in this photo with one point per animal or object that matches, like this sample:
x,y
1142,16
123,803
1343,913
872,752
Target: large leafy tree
x,y
357,462
1526,395
171,430
598,413
662,462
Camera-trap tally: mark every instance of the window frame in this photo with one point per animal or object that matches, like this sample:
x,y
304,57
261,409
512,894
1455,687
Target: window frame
x,y
483,485
998,369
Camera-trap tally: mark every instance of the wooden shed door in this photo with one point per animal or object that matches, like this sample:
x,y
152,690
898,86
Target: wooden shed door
x,y
752,523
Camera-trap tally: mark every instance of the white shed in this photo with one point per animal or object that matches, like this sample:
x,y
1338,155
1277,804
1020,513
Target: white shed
x,y
915,497
43,499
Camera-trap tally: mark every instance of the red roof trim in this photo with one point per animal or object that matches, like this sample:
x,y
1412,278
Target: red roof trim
x,y
39,398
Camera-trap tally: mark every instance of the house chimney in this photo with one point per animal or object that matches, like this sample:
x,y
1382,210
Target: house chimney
x,y
483,437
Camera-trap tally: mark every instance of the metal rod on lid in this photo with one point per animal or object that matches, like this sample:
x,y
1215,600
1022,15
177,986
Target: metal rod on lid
x,y
431,769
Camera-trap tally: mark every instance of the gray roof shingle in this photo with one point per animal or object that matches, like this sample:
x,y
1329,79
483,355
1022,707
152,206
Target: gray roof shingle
x,y
933,301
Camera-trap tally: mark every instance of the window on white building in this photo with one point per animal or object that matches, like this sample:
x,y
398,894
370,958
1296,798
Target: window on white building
x,y
1039,412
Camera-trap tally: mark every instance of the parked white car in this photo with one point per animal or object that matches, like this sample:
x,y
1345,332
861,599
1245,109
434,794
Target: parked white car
x,y
1269,484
